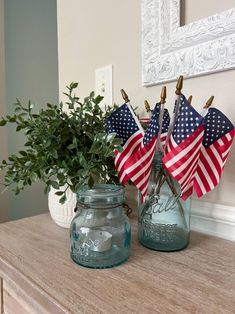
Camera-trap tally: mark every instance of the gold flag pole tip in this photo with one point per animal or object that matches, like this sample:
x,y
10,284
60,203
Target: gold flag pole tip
x,y
190,99
179,85
147,106
163,95
209,102
125,96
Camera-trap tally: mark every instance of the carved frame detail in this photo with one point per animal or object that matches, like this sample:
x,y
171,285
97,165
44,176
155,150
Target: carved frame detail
x,y
170,50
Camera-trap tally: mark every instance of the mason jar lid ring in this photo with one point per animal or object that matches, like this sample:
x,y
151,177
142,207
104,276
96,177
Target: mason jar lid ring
x,y
101,196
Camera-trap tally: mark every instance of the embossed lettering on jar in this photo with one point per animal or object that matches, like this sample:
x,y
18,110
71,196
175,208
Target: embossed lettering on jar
x,y
164,219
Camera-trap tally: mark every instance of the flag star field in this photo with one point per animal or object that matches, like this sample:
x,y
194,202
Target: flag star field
x,y
216,125
122,123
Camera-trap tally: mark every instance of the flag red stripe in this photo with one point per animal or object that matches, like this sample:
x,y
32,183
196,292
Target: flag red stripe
x,y
128,148
138,174
211,165
181,161
138,167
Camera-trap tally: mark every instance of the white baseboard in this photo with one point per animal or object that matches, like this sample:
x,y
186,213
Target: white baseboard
x,y
213,219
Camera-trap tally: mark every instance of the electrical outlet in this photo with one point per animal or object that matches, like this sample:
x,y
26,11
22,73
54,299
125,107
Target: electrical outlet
x,y
104,85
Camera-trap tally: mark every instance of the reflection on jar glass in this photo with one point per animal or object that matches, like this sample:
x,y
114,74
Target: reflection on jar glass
x,y
100,232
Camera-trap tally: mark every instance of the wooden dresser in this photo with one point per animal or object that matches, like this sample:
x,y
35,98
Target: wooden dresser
x,y
38,276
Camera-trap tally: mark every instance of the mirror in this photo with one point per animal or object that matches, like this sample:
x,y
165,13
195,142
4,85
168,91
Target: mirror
x,y
204,46
192,13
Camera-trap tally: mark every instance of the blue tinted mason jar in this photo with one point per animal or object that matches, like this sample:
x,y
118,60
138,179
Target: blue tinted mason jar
x,y
163,218
100,233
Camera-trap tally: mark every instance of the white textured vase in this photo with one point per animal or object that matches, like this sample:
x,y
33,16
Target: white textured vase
x,y
62,214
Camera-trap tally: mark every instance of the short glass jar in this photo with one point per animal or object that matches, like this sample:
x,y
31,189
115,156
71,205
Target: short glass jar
x,y
100,233
164,218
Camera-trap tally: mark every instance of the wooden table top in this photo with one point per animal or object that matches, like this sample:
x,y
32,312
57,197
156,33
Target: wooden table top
x,y
34,252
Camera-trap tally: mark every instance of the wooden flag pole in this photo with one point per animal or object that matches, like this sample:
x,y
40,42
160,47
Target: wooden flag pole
x,y
160,121
163,176
178,89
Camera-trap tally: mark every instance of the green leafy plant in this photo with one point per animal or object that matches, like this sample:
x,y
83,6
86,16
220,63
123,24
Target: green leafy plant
x,y
63,148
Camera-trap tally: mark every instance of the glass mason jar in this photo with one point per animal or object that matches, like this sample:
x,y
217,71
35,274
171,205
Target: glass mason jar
x,y
100,233
163,219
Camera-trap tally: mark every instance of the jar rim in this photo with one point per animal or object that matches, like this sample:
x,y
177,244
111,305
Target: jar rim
x,y
101,195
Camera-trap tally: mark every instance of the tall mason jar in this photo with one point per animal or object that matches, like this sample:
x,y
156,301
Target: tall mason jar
x,y
100,233
163,218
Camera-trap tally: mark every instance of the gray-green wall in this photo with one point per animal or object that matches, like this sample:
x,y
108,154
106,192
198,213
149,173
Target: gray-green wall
x,y
31,65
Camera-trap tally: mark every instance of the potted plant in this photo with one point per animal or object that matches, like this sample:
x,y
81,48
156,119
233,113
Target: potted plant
x,y
66,147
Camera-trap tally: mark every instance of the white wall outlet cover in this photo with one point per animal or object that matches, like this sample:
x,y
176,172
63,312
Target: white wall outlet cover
x,y
104,85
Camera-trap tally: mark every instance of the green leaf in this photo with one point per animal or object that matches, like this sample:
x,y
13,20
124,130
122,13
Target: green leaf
x,y
82,160
63,199
3,122
55,185
47,189
73,85
51,113
34,177
55,154
23,153
98,99
59,193
48,143
92,94
90,182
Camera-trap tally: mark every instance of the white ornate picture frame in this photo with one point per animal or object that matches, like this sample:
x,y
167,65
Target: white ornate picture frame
x,y
170,50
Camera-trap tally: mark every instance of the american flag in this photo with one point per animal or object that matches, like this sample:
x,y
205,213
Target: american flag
x,y
138,167
183,148
218,138
125,124
165,125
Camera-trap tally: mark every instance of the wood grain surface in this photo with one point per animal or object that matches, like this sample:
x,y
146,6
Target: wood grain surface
x,y
34,256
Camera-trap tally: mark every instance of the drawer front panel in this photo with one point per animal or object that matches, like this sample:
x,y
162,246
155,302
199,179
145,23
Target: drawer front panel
x,y
12,302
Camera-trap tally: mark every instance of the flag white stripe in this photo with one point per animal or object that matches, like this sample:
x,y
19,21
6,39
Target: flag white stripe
x,y
220,142
211,164
226,152
201,185
138,141
228,136
217,155
173,143
187,188
190,178
146,186
185,164
146,167
206,174
135,118
131,168
185,179
184,152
